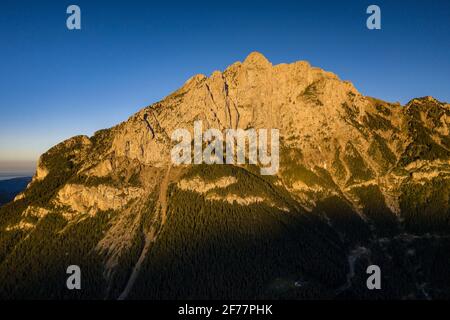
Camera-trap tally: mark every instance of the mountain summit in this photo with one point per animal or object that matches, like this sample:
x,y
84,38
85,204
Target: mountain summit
x,y
361,182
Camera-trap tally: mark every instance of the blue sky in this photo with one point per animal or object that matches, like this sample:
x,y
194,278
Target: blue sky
x,y
56,83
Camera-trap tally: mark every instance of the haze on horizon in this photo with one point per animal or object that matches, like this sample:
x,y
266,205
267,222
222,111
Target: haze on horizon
x,y
56,83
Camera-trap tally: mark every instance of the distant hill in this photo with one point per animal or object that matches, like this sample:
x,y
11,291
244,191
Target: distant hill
x,y
11,187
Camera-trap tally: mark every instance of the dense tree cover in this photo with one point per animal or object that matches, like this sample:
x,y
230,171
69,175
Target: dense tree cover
x,y
350,226
377,122
36,267
432,261
381,153
60,162
215,249
425,206
423,146
359,170
218,250
375,209
338,167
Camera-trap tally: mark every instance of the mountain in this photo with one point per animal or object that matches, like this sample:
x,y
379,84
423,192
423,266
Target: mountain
x,y
360,182
9,188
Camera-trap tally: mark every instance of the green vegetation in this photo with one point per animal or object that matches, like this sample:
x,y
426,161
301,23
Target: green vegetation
x,y
338,167
212,249
359,170
351,114
351,111
380,152
292,170
101,141
310,93
423,146
384,110
376,122
351,228
40,260
425,207
376,210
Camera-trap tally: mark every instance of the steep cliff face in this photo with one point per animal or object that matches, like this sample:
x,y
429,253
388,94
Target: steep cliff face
x,y
361,182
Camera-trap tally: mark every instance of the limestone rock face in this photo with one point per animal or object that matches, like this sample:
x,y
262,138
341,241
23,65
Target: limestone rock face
x,y
99,198
198,185
296,98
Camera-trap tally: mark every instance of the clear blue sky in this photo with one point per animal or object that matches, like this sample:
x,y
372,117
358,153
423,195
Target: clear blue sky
x,y
56,83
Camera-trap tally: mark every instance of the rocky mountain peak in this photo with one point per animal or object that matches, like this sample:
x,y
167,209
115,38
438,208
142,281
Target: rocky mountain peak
x,y
257,59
